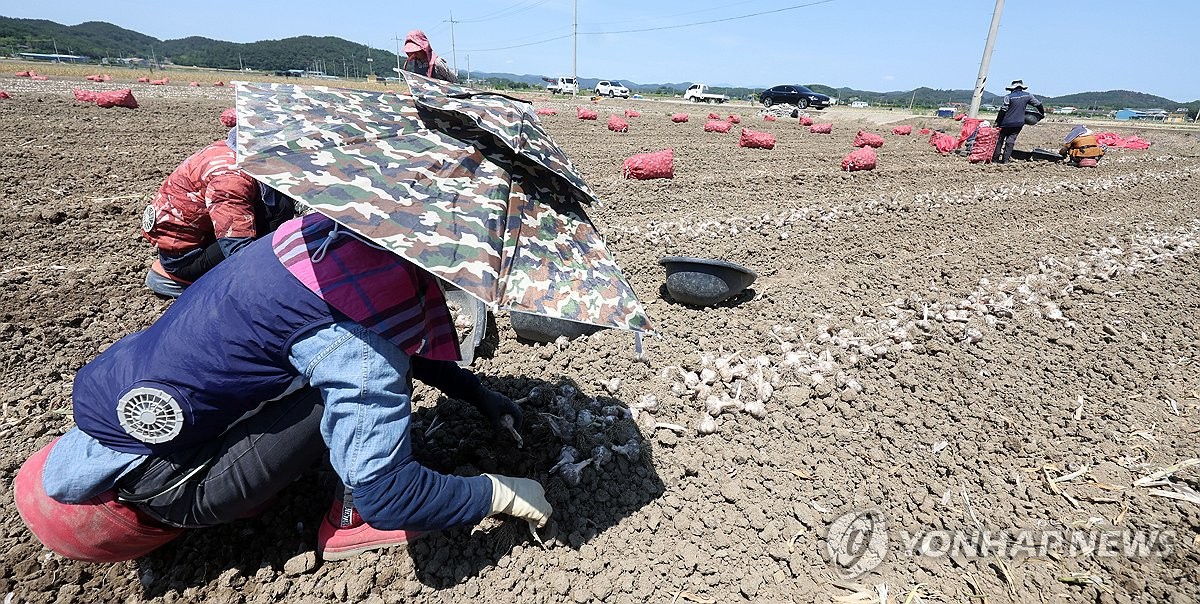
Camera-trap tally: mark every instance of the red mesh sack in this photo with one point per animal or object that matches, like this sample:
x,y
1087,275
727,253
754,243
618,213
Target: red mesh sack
x,y
985,145
158,82
713,116
104,77
769,118
632,113
860,159
585,114
679,118
220,84
735,119
229,117
546,111
86,96
959,117
716,126
117,98
660,164
193,83
943,142
923,131
968,127
902,130
617,124
143,80
867,139
756,140
94,78
39,78
821,128
5,95
22,74
806,121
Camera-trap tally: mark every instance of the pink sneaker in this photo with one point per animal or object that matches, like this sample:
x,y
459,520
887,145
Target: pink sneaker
x,y
351,536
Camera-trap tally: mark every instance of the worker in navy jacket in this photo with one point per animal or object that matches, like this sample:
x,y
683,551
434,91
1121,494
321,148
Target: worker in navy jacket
x,y
1011,118
302,342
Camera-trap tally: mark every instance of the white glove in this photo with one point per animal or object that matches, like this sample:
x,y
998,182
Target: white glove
x,y
520,497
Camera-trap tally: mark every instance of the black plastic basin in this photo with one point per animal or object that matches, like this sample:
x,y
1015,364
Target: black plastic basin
x,y
539,328
703,282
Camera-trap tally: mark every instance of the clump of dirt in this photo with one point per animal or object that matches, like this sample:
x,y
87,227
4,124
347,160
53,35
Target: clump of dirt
x,y
951,345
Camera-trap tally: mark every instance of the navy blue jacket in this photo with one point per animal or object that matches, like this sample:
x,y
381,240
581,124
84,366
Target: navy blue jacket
x,y
1012,111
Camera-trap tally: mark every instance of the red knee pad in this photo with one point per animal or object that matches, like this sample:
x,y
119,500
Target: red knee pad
x,y
98,530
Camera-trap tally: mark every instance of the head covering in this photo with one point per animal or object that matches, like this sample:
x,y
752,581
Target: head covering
x,y
417,42
1016,85
229,117
231,138
1076,132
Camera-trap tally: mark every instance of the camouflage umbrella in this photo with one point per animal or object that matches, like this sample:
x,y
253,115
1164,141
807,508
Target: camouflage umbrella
x,y
467,185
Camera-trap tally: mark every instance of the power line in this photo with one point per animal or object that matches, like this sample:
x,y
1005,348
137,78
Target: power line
x,y
724,5
516,9
682,25
722,20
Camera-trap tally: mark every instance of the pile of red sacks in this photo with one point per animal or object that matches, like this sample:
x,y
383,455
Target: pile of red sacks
x,y
25,74
754,139
660,164
632,113
868,139
617,124
821,128
943,142
679,118
860,159
112,98
1112,139
716,126
546,111
902,130
585,114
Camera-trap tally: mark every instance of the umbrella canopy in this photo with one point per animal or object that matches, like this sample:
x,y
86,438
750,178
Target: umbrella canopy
x,y
465,184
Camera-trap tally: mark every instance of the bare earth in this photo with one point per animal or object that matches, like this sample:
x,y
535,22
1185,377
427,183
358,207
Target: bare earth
x,y
955,346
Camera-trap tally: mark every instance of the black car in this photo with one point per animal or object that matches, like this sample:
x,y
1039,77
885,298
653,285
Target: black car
x,y
796,94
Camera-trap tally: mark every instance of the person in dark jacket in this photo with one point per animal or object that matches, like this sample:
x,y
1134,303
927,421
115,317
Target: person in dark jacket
x,y
1011,118
302,343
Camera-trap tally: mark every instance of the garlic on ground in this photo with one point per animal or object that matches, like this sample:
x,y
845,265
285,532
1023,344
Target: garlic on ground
x,y
716,405
566,455
630,450
584,418
757,409
690,379
612,385
707,425
618,411
678,389
601,455
560,427
567,390
708,376
572,473
648,402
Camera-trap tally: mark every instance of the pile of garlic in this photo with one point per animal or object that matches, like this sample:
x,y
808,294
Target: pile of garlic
x,y
585,424
725,383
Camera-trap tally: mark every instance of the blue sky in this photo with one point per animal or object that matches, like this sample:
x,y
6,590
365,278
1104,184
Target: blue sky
x,y
1057,47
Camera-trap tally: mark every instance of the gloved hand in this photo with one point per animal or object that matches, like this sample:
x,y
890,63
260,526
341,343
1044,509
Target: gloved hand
x,y
495,406
520,497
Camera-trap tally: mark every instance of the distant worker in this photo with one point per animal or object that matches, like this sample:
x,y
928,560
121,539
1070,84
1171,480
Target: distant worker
x,y
206,210
1011,118
421,58
1082,147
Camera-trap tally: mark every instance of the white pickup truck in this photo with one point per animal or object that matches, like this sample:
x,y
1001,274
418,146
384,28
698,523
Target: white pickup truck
x,y
563,86
698,93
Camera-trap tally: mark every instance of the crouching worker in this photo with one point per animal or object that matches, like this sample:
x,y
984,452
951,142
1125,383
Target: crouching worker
x,y
206,210
1082,147
195,422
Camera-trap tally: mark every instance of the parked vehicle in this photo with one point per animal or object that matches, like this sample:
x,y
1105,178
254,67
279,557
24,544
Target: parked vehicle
x,y
794,94
611,88
563,86
698,93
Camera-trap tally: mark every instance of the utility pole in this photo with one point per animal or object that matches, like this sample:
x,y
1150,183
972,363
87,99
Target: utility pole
x,y
914,100
981,79
468,69
397,39
575,49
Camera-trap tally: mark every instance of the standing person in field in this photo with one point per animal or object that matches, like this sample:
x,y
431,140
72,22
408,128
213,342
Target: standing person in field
x,y
206,210
1011,119
1082,147
422,60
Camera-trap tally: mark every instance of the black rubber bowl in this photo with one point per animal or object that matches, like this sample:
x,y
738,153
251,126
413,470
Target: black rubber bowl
x,y
538,328
703,282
